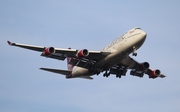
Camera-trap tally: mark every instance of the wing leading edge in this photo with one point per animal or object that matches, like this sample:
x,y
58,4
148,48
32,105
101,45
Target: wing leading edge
x,y
60,53
137,69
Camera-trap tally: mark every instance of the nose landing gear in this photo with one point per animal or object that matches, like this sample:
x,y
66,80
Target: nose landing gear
x,y
134,51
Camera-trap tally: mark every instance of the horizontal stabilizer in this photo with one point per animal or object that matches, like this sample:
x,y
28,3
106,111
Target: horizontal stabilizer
x,y
63,72
162,76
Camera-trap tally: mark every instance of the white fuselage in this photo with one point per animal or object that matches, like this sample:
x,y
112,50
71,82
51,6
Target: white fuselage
x,y
119,48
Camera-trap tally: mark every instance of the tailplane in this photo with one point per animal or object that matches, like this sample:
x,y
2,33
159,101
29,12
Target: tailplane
x,y
69,66
64,72
67,73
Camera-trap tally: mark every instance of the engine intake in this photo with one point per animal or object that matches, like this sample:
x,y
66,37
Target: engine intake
x,y
155,73
49,51
144,66
82,53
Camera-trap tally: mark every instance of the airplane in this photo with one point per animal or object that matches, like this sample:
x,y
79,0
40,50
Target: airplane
x,y
114,59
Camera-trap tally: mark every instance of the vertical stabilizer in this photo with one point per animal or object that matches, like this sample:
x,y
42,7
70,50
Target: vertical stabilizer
x,y
70,67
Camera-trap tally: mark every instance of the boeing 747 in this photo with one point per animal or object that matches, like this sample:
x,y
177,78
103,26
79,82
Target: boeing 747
x,y
114,59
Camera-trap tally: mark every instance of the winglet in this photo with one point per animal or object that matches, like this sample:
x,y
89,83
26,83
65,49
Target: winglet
x,y
9,42
162,76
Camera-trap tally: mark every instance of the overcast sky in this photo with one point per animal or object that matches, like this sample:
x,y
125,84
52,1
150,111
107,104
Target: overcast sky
x,y
92,25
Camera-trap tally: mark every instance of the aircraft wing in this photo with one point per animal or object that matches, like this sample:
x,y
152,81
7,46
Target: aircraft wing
x,y
137,69
60,53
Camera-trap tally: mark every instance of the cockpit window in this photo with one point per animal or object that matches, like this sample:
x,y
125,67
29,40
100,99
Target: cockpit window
x,y
132,30
137,28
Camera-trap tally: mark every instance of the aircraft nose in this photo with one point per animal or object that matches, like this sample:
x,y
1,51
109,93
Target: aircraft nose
x,y
143,34
141,38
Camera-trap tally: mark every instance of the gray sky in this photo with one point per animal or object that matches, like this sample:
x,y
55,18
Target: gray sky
x,y
91,25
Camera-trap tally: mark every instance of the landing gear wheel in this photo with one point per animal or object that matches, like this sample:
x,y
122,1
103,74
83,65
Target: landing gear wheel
x,y
118,76
134,51
106,74
134,54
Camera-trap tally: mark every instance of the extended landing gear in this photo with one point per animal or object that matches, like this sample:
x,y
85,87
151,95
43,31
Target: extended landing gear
x,y
106,74
118,75
134,54
121,72
134,51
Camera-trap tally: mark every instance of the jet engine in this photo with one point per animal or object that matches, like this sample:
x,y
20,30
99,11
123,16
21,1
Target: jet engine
x,y
49,51
155,73
82,53
144,66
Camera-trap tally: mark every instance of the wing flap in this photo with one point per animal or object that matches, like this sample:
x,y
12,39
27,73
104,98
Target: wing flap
x,y
57,56
84,63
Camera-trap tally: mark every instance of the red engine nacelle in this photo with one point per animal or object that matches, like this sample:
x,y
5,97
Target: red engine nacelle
x,y
49,51
82,53
144,66
155,73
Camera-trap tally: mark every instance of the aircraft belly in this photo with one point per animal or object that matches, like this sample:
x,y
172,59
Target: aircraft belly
x,y
79,72
111,60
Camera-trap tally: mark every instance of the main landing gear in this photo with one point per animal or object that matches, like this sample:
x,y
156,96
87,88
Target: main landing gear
x,y
106,74
118,75
134,51
119,72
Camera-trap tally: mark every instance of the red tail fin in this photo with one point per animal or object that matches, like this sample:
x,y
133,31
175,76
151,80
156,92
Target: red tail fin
x,y
70,67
